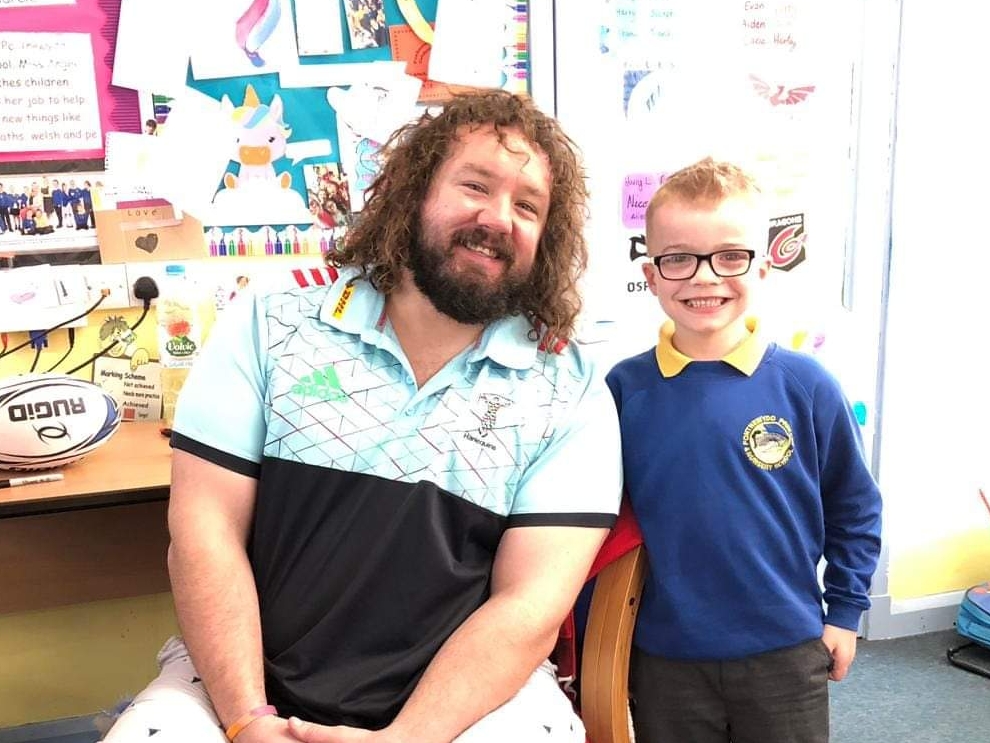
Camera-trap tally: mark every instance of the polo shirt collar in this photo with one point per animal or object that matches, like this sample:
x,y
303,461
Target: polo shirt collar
x,y
509,342
745,357
354,306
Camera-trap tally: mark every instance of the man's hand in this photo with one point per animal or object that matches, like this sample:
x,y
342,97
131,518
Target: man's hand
x,y
310,732
841,643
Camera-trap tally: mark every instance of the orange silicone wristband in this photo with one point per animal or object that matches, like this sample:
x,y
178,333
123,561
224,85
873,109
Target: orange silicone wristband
x,y
238,725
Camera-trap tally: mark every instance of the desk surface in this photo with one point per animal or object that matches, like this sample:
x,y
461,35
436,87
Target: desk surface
x,y
134,466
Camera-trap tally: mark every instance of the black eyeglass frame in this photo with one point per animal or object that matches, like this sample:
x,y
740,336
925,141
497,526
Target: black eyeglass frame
x,y
699,257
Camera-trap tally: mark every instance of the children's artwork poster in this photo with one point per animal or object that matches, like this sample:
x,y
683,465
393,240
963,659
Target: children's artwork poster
x,y
409,48
375,111
235,38
255,95
56,97
507,39
481,43
361,159
254,191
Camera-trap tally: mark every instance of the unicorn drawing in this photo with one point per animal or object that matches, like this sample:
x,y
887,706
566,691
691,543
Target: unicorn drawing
x,y
261,138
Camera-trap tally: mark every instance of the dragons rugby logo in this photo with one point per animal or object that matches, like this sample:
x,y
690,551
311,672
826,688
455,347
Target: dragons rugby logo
x,y
786,242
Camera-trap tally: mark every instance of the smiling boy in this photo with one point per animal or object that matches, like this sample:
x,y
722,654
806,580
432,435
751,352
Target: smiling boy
x,y
744,466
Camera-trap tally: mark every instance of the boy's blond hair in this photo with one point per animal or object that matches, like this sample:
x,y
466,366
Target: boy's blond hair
x,y
706,182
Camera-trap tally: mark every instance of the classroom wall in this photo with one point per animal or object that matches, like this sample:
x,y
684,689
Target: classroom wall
x,y
935,440
80,659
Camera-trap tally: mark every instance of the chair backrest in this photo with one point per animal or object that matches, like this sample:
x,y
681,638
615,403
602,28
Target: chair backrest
x,y
604,677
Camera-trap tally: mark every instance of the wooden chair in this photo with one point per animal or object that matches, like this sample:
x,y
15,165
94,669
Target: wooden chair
x,y
618,571
604,677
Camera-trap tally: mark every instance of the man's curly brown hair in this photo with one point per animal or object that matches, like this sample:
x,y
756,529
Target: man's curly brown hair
x,y
389,224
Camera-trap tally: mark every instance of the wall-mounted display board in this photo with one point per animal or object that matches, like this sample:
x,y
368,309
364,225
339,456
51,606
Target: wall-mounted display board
x,y
56,96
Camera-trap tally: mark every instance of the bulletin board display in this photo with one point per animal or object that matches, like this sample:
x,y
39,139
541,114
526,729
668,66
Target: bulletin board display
x,y
56,96
266,117
278,110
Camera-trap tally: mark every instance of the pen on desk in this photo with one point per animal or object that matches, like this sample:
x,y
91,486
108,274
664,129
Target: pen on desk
x,y
13,482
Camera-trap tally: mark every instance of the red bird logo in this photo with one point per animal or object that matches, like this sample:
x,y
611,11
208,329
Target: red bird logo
x,y
780,95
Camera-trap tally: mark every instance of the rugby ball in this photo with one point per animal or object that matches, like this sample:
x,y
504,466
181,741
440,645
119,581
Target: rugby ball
x,y
47,420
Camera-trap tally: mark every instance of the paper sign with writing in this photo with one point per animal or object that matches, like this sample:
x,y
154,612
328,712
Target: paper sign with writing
x,y
637,188
79,72
136,387
49,94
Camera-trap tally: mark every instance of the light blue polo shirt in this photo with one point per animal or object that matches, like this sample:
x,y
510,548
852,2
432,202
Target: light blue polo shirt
x,y
376,496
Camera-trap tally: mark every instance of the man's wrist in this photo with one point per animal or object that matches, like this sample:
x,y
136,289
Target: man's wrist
x,y
237,726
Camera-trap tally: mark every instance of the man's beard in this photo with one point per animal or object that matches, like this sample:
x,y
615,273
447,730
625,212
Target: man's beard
x,y
459,294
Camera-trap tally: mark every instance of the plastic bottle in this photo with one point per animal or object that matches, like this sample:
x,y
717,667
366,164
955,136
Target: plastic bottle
x,y
180,332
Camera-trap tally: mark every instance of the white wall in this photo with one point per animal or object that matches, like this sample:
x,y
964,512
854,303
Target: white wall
x,y
917,204
935,430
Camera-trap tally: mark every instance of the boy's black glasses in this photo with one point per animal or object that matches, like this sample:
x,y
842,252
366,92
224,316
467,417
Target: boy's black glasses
x,y
724,263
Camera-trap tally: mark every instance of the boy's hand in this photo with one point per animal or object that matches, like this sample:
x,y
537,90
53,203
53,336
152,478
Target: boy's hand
x,y
841,643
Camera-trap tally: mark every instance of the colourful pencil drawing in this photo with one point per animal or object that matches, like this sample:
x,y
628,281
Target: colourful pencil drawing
x,y
252,190
360,160
235,38
369,162
125,345
260,141
255,27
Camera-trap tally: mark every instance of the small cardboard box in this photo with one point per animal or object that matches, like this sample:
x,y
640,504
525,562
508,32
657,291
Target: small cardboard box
x,y
148,233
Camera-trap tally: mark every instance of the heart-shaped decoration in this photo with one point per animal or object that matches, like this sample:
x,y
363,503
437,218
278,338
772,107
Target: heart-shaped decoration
x,y
147,243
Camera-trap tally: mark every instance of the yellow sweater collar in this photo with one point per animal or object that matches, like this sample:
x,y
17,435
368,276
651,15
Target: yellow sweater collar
x,y
745,357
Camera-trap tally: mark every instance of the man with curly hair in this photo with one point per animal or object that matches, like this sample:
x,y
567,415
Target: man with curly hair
x,y
387,491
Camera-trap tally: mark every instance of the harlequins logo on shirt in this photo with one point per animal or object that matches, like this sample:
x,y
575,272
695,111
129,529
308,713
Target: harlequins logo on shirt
x,y
322,385
490,405
768,442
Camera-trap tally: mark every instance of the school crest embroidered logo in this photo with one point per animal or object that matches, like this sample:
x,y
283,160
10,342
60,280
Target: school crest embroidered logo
x,y
768,442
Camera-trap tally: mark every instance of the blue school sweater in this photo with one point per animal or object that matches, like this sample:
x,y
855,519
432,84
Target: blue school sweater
x,y
743,473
